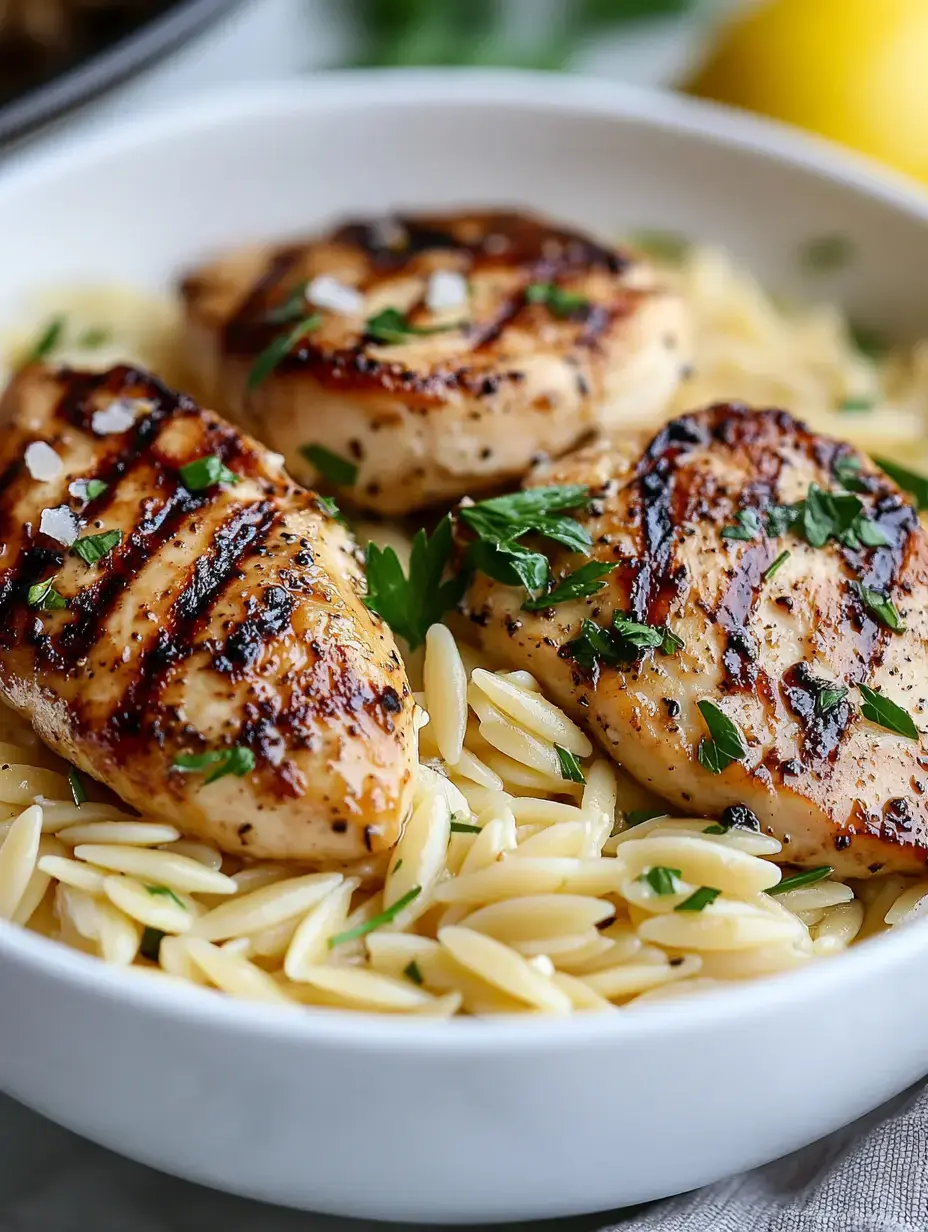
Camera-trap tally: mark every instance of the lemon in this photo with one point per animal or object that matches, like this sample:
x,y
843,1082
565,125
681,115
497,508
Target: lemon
x,y
853,70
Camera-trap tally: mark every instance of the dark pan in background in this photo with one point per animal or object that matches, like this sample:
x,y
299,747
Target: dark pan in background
x,y
109,65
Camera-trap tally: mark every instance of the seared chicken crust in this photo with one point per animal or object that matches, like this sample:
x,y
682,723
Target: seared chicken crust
x,y
493,382
836,788
227,617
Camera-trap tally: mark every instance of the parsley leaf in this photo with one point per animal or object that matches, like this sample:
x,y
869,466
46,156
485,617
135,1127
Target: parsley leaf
x,y
410,606
880,710
44,596
78,790
412,972
774,566
881,606
828,697
636,816
855,405
329,506
331,466
725,742
94,547
46,341
869,342
390,326
94,337
806,878
94,488
292,308
205,472
560,303
627,641
577,585
150,945
236,760
280,348
909,481
699,899
748,527
846,469
668,246
502,520
823,254
160,891
461,827
661,880
570,766
782,518
378,921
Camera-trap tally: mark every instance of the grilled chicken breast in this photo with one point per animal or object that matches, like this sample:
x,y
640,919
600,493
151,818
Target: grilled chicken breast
x,y
222,624
522,337
783,646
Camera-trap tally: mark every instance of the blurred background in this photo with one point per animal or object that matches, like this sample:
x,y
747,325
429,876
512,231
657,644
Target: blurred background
x,y
855,71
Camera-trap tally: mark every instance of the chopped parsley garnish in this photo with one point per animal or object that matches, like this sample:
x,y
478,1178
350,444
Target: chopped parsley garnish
x,y
699,899
461,827
846,469
854,406
560,303
46,341
570,766
869,342
585,581
160,891
411,605
44,596
502,520
412,972
150,945
205,472
391,326
823,254
236,760
880,710
94,337
748,526
332,466
909,481
782,518
669,246
78,790
377,921
774,566
881,606
280,348
94,547
94,488
662,880
799,880
724,744
329,506
293,308
828,697
715,828
636,816
626,641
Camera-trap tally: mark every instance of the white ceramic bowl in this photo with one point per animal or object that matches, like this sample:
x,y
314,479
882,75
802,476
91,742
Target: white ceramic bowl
x,y
467,1120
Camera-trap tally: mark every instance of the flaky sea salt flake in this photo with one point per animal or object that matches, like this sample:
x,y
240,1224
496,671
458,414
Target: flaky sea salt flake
x,y
42,462
60,524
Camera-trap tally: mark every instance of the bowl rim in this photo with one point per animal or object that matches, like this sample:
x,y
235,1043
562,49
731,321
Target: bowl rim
x,y
504,1035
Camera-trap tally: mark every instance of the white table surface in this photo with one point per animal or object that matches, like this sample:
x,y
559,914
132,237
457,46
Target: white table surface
x,y
50,1180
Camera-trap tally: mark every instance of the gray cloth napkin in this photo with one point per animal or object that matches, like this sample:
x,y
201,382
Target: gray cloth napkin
x,y
871,1177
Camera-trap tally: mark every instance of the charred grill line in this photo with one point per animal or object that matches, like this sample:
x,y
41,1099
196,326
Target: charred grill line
x,y
247,528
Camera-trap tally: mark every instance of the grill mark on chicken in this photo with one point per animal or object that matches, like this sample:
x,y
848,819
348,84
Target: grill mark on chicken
x,y
821,733
138,708
547,254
